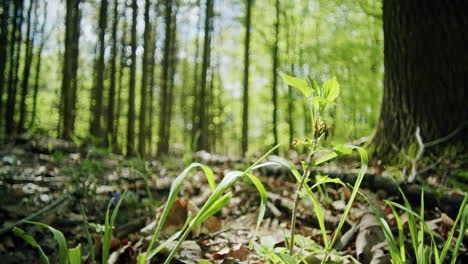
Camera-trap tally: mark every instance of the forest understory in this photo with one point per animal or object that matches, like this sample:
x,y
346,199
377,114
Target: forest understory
x,y
45,180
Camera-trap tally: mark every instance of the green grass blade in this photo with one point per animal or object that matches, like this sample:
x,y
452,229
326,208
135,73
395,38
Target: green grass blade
x,y
173,193
411,220
60,238
31,241
357,184
92,258
461,234
214,208
394,251
74,255
107,234
401,233
452,232
228,180
263,198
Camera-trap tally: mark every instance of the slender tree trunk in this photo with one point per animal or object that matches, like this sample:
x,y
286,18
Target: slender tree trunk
x,y
98,90
203,107
27,67
70,68
131,98
163,143
245,96
38,66
15,52
149,128
195,91
274,75
290,47
172,71
123,65
146,61
3,48
110,136
426,74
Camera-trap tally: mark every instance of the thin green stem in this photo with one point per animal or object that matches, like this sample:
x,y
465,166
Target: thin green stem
x,y
305,175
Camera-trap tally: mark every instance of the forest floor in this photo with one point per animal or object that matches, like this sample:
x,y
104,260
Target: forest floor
x,y
37,173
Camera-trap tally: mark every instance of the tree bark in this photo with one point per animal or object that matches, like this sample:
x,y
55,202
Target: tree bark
x,y
172,71
123,65
131,98
70,68
152,90
15,52
426,74
275,77
110,136
195,91
98,90
163,143
146,61
3,49
245,96
38,66
203,107
27,67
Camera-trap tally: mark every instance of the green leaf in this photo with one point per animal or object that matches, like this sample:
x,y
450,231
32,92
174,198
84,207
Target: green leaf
x,y
343,149
321,103
315,86
319,180
74,255
331,89
300,84
30,240
288,259
325,158
62,242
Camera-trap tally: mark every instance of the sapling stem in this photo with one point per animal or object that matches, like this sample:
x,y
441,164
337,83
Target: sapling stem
x,y
305,175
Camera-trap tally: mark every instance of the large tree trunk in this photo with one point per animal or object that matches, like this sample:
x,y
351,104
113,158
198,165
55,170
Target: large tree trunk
x,y
245,96
426,73
98,89
131,98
